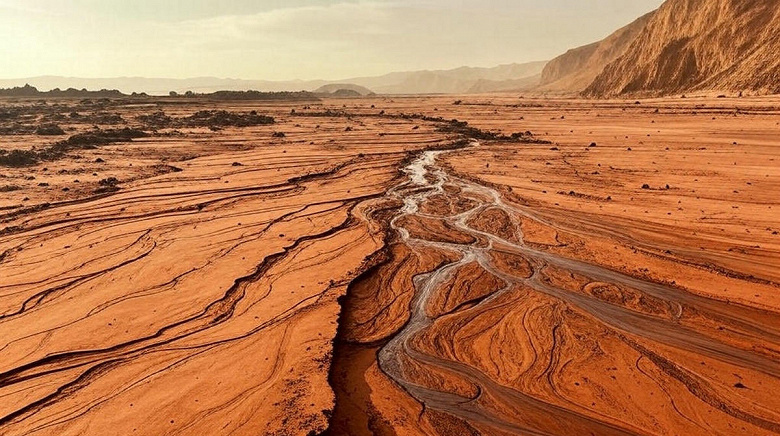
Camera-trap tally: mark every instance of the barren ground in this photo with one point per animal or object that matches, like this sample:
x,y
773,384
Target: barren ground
x,y
615,272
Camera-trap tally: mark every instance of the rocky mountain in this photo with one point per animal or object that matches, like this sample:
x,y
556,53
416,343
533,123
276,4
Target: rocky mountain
x,y
574,70
485,86
699,45
457,81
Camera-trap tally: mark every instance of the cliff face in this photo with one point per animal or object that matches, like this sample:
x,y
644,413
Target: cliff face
x,y
695,45
576,69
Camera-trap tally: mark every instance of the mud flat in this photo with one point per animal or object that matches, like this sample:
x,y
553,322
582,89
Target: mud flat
x,y
369,266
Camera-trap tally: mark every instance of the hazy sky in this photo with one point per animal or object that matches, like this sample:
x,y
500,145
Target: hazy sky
x,y
293,39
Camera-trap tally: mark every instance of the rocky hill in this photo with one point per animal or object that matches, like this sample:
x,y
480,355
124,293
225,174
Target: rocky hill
x,y
31,91
340,88
699,45
574,70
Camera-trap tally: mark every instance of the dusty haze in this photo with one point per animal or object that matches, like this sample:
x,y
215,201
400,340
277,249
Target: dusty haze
x,y
276,40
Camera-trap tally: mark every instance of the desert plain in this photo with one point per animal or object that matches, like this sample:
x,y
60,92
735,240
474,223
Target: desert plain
x,y
371,266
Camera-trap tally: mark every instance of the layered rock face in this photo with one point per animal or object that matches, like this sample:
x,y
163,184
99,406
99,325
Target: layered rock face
x,y
574,70
699,45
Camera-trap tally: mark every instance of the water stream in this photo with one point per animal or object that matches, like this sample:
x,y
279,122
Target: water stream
x,y
426,178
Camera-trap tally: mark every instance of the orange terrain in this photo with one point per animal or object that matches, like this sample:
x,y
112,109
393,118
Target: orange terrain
x,y
391,266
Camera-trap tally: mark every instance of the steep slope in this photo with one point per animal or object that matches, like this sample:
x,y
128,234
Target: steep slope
x,y
695,45
574,70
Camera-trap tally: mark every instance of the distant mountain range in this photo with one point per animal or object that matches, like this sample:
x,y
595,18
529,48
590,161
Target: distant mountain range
x,y
28,91
155,86
457,81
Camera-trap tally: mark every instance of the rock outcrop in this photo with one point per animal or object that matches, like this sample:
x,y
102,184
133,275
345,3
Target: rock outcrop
x,y
574,70
699,45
